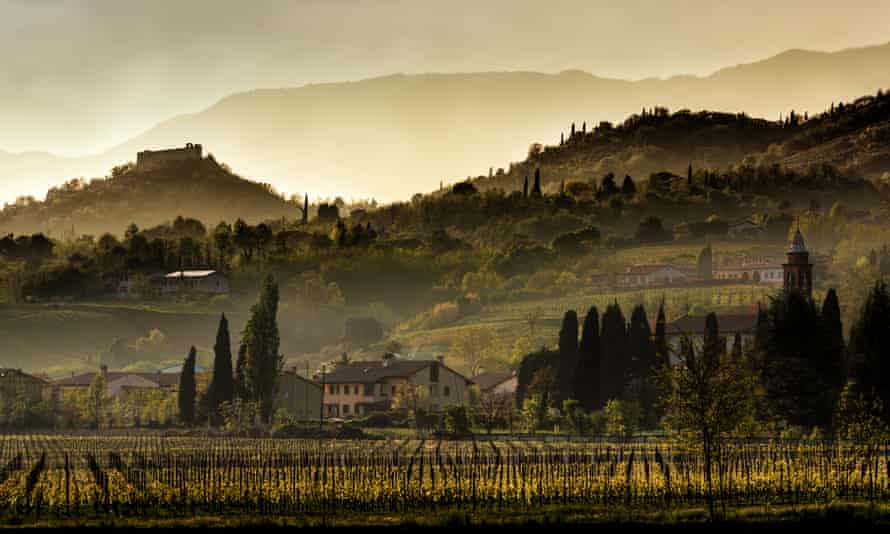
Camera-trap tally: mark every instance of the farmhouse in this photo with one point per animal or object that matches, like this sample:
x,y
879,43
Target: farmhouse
x,y
298,396
358,388
207,281
15,384
745,324
755,272
119,383
656,274
501,385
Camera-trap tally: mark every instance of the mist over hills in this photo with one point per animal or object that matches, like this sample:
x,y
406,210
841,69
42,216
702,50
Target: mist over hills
x,y
392,136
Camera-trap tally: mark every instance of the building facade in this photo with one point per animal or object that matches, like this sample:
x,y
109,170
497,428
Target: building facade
x,y
298,396
354,389
193,281
757,273
656,274
693,326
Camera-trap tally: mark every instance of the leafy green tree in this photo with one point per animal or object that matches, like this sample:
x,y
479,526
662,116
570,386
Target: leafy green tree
x,y
260,341
222,387
575,418
706,399
187,389
97,401
586,385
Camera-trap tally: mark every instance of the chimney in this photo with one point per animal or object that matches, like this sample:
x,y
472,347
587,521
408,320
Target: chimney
x,y
104,370
387,359
441,359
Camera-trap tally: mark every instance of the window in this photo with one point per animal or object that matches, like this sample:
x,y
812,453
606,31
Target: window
x,y
393,390
434,372
369,390
434,390
447,391
345,409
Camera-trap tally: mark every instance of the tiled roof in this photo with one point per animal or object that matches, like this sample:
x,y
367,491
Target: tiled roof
x,y
727,324
190,274
373,371
654,267
85,379
8,371
486,381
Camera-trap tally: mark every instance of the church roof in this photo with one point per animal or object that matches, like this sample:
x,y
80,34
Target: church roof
x,y
797,244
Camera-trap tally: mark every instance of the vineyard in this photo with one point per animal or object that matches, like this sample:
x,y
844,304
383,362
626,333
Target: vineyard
x,y
55,477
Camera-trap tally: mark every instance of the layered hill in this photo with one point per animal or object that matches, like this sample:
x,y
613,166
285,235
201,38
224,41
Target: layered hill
x,y
397,135
204,190
850,137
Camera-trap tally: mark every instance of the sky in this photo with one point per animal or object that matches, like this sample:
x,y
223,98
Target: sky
x,y
80,76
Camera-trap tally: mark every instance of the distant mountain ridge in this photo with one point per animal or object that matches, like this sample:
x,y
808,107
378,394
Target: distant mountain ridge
x,y
392,136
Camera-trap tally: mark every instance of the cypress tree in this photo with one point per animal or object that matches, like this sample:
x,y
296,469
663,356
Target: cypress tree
x,y
628,188
689,175
260,341
568,355
306,209
222,387
713,345
737,347
240,374
869,344
587,380
640,345
831,318
187,389
615,367
643,361
536,189
525,187
662,350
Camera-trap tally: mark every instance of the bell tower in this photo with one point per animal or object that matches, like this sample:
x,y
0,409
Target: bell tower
x,y
798,271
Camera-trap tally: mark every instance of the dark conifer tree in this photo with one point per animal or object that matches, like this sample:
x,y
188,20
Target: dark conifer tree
x,y
536,189
562,139
525,187
713,345
259,342
870,344
628,188
794,362
222,387
834,329
661,345
306,209
689,175
568,355
615,364
573,131
587,379
640,345
186,396
737,347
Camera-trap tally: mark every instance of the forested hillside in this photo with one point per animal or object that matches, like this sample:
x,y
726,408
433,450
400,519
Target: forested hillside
x,y
205,190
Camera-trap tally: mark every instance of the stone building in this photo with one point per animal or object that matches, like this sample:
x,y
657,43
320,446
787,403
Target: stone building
x,y
358,388
298,396
150,160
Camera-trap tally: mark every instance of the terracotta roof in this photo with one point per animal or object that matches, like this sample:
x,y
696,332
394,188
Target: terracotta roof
x,y
7,371
373,371
654,267
85,379
728,324
486,381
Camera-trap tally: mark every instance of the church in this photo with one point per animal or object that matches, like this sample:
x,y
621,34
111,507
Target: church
x,y
798,271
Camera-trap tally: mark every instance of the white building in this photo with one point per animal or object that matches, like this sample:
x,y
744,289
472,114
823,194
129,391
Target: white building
x,y
656,274
758,273
208,281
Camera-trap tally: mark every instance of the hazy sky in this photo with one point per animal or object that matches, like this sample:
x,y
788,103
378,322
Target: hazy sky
x,y
79,76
